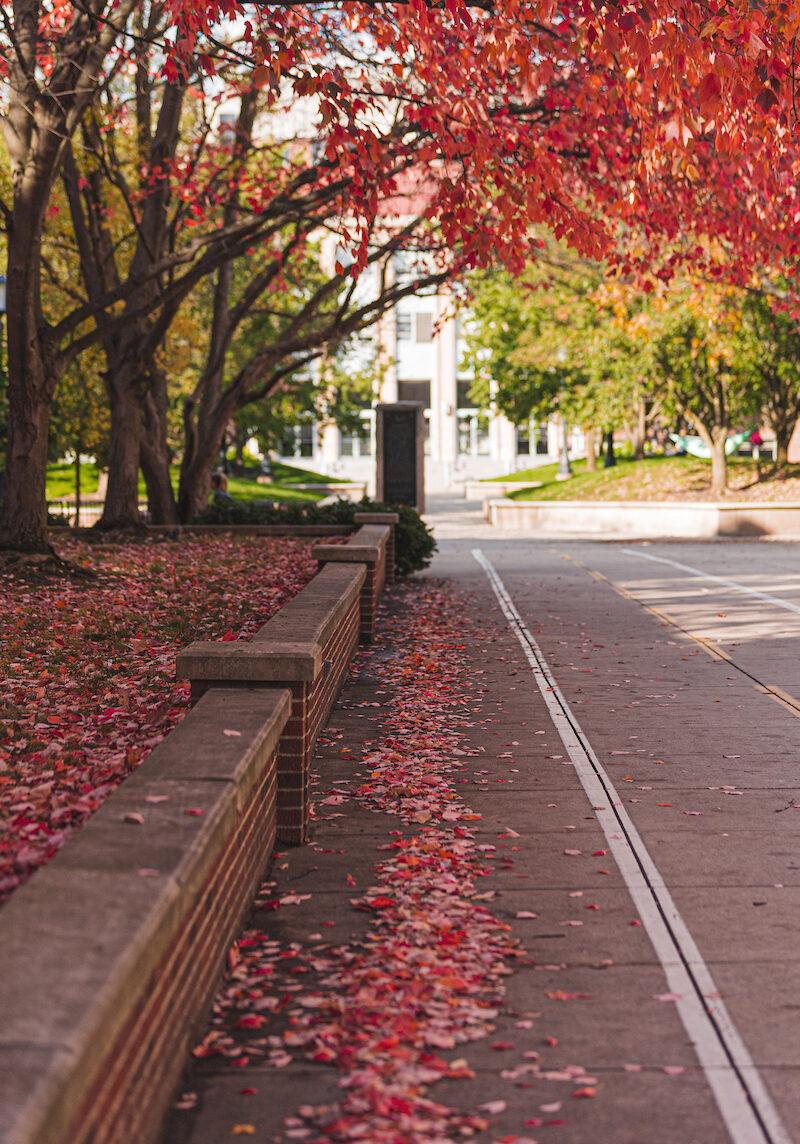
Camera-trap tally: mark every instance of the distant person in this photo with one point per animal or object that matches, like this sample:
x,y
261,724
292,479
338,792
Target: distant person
x,y
219,489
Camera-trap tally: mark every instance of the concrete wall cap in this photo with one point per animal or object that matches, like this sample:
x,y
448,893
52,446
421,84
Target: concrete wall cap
x,y
377,518
288,647
346,553
287,661
367,545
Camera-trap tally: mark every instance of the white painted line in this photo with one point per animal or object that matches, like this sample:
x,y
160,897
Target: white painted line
x,y
744,1103
786,604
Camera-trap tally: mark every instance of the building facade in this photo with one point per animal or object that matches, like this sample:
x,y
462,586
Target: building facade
x,y
422,346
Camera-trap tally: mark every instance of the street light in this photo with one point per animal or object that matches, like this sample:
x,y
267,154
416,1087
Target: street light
x,y
610,460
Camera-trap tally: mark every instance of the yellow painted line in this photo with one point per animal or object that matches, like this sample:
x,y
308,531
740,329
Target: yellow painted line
x,y
780,696
707,645
789,702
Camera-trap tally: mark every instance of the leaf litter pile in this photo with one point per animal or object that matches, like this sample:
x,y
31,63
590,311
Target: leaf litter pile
x,y
87,669
429,975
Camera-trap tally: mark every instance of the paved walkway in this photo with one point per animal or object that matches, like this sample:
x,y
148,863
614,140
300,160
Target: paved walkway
x,y
615,728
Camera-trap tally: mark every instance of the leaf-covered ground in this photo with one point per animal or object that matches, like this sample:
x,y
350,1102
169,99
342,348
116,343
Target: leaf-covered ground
x,y
87,669
429,974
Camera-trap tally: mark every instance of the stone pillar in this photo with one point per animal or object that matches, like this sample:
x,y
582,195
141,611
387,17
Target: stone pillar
x,y
400,454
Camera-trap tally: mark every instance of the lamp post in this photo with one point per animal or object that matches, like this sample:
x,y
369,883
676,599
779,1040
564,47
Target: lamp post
x,y
564,468
610,457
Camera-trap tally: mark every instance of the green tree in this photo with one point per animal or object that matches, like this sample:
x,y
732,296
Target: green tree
x,y
773,356
702,354
559,340
79,420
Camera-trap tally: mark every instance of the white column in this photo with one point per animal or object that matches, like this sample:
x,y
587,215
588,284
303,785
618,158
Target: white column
x,y
386,354
327,447
444,400
504,444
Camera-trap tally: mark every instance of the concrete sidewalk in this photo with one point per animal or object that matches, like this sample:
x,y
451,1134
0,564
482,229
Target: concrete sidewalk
x,y
559,1027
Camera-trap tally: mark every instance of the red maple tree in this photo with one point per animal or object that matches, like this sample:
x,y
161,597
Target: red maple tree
x,y
595,121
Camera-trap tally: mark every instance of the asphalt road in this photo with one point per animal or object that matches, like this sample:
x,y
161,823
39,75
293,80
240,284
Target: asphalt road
x,y
680,676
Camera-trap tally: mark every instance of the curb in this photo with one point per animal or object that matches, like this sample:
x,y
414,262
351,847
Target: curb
x,y
645,519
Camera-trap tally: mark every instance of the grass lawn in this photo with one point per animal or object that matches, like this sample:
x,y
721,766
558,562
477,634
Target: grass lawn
x,y
282,488
658,478
291,474
61,480
61,483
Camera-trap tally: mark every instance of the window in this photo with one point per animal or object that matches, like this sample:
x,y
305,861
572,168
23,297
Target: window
x,y
532,438
406,266
404,327
298,441
463,399
415,391
358,443
473,435
424,326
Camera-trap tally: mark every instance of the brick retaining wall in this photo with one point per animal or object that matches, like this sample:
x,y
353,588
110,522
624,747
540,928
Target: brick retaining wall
x,y
368,546
111,954
306,647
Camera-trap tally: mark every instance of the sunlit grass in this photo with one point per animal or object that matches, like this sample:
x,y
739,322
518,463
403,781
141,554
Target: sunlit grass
x,y
657,478
61,483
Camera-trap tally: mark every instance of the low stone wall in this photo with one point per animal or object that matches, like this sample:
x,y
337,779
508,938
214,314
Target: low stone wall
x,y
347,490
111,954
633,520
760,520
306,648
176,530
369,546
480,490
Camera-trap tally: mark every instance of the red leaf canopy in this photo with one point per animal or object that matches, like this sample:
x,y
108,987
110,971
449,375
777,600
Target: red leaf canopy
x,y
594,120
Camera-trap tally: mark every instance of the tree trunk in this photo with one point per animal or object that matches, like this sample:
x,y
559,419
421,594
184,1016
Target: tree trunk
x,y
30,388
23,526
781,450
154,455
590,441
719,463
154,459
121,508
203,435
77,484
639,434
195,483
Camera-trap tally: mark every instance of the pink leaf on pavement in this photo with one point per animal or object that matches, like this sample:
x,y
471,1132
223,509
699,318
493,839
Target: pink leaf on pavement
x,y
493,1107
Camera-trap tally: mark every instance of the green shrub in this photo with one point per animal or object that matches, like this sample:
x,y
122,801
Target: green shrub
x,y
414,543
